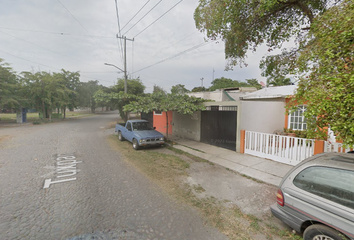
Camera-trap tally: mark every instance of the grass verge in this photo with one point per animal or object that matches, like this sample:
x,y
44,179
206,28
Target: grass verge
x,y
34,117
169,171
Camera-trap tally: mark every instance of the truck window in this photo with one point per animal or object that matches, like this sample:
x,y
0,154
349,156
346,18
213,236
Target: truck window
x,y
330,183
129,126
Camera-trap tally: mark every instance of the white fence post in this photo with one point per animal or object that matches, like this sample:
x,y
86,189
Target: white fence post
x,y
284,149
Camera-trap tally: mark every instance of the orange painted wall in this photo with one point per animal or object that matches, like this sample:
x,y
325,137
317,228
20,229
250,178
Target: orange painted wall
x,y
287,100
160,122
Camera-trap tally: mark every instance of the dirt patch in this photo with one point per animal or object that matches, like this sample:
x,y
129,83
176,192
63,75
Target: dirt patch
x,y
236,205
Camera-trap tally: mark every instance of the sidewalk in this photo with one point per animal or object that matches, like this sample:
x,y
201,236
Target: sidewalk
x,y
262,169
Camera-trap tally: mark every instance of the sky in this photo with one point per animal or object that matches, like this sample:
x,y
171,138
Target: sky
x,y
81,35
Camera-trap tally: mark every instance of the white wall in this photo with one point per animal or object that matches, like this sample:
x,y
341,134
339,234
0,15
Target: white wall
x,y
263,115
186,126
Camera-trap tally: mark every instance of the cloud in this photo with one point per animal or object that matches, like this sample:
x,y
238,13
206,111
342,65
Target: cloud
x,y
80,36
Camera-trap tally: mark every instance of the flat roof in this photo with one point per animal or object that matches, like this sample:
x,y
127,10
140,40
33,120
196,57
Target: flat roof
x,y
272,92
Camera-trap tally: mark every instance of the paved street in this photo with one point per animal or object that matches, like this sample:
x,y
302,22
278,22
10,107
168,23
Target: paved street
x,y
103,196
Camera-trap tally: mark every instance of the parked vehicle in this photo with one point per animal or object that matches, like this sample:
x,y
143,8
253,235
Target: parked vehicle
x,y
316,198
140,133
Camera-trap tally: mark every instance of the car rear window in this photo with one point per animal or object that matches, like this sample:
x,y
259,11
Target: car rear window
x,y
333,184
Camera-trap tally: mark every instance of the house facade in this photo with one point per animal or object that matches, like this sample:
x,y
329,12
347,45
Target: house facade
x,y
232,110
265,110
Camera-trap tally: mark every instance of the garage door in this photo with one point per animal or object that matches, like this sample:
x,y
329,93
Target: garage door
x,y
218,126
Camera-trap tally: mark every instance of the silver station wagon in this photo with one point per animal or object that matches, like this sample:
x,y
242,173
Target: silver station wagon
x,y
316,198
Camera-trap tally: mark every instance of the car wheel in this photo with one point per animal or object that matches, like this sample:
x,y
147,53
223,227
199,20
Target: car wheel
x,y
321,232
135,144
120,136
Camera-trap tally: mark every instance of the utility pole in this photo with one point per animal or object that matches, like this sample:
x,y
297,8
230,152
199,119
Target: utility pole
x,y
125,61
202,81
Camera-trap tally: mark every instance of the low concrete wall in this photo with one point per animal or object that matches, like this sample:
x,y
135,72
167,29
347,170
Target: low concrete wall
x,y
186,126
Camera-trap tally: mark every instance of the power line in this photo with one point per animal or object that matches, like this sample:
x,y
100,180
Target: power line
x,y
178,54
83,27
29,60
47,49
49,66
143,16
158,18
55,33
119,41
135,15
164,49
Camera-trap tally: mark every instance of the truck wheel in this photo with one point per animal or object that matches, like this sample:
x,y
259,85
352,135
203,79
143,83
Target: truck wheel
x,y
120,136
135,144
321,232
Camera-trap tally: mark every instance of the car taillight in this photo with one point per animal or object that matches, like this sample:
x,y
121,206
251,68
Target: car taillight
x,y
280,198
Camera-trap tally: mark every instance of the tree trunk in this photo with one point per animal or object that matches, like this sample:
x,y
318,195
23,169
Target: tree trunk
x,y
43,111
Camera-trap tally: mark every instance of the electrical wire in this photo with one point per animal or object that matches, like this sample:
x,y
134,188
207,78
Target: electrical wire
x,y
143,17
119,35
48,49
83,27
29,60
178,54
157,19
164,49
55,33
135,15
49,66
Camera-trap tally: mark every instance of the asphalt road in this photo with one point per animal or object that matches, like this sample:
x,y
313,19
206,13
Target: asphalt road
x,y
103,197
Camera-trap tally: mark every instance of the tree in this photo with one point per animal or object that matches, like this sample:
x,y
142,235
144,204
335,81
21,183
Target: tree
x,y
158,89
199,89
179,89
245,25
9,87
46,91
279,81
253,82
170,102
86,92
134,86
220,83
327,85
71,82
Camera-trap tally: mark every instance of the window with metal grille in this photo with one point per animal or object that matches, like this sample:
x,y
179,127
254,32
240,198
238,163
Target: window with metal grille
x,y
221,108
297,119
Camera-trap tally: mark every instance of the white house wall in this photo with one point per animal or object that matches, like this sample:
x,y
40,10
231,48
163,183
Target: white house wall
x,y
263,116
187,126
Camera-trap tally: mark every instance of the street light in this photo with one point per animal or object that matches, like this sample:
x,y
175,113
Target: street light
x,y
125,75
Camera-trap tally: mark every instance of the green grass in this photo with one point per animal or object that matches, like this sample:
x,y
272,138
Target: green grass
x,y
12,116
195,158
34,117
168,172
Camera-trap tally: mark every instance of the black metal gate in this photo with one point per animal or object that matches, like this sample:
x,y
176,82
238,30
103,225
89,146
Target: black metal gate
x,y
148,117
218,126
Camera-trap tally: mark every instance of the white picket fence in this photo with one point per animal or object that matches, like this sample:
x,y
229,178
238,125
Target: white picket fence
x,y
284,149
335,147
